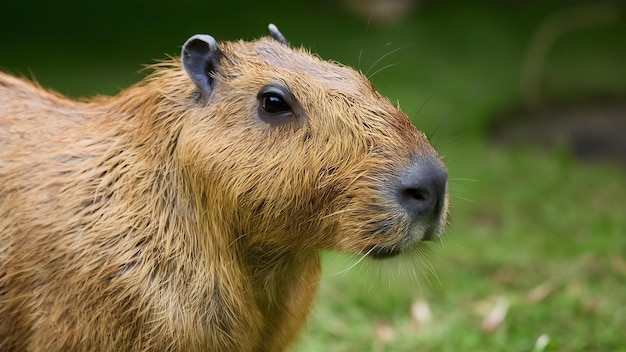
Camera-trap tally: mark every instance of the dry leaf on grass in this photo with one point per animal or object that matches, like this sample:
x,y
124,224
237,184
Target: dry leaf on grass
x,y
384,332
496,316
421,312
540,292
542,342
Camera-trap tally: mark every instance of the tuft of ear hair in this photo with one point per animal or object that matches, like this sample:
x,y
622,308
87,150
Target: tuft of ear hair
x,y
201,57
277,35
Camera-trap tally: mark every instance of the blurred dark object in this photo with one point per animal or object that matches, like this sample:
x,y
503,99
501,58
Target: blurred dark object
x,y
577,17
381,11
590,131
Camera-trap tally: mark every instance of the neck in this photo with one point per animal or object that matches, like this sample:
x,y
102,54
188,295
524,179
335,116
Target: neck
x,y
187,227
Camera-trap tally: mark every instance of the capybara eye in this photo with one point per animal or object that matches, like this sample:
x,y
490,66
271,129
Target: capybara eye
x,y
277,105
273,103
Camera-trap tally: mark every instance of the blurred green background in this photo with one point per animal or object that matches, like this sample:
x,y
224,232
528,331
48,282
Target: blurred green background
x,y
525,99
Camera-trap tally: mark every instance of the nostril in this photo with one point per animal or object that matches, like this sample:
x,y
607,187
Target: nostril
x,y
422,189
416,194
418,200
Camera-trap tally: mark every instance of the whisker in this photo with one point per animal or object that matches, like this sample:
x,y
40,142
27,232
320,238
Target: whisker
x,y
441,243
422,105
358,63
344,271
449,140
434,134
381,69
384,56
465,199
369,21
463,179
431,271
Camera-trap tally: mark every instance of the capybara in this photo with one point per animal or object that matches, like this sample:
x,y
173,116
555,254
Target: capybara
x,y
188,212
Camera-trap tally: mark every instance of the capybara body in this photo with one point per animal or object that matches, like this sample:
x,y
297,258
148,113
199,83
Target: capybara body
x,y
187,212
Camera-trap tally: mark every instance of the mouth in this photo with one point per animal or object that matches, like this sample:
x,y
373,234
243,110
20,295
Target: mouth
x,y
410,240
382,253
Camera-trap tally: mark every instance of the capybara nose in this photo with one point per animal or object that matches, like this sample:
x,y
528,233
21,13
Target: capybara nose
x,y
422,190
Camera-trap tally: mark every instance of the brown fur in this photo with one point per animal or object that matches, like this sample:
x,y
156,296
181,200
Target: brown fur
x,y
152,221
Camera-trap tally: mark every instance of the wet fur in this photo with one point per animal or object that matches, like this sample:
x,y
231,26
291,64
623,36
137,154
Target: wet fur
x,y
152,220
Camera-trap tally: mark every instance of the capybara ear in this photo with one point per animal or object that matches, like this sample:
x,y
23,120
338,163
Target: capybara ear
x,y
277,35
201,57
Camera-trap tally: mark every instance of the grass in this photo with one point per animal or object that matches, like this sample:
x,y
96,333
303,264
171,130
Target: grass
x,y
533,228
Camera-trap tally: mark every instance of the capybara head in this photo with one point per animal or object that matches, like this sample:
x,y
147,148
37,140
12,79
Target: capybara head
x,y
304,154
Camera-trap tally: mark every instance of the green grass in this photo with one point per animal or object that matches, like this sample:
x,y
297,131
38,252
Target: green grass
x,y
522,218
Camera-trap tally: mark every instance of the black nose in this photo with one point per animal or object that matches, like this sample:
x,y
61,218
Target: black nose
x,y
422,189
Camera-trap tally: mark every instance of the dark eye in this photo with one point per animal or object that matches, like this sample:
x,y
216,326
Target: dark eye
x,y
273,102
276,105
